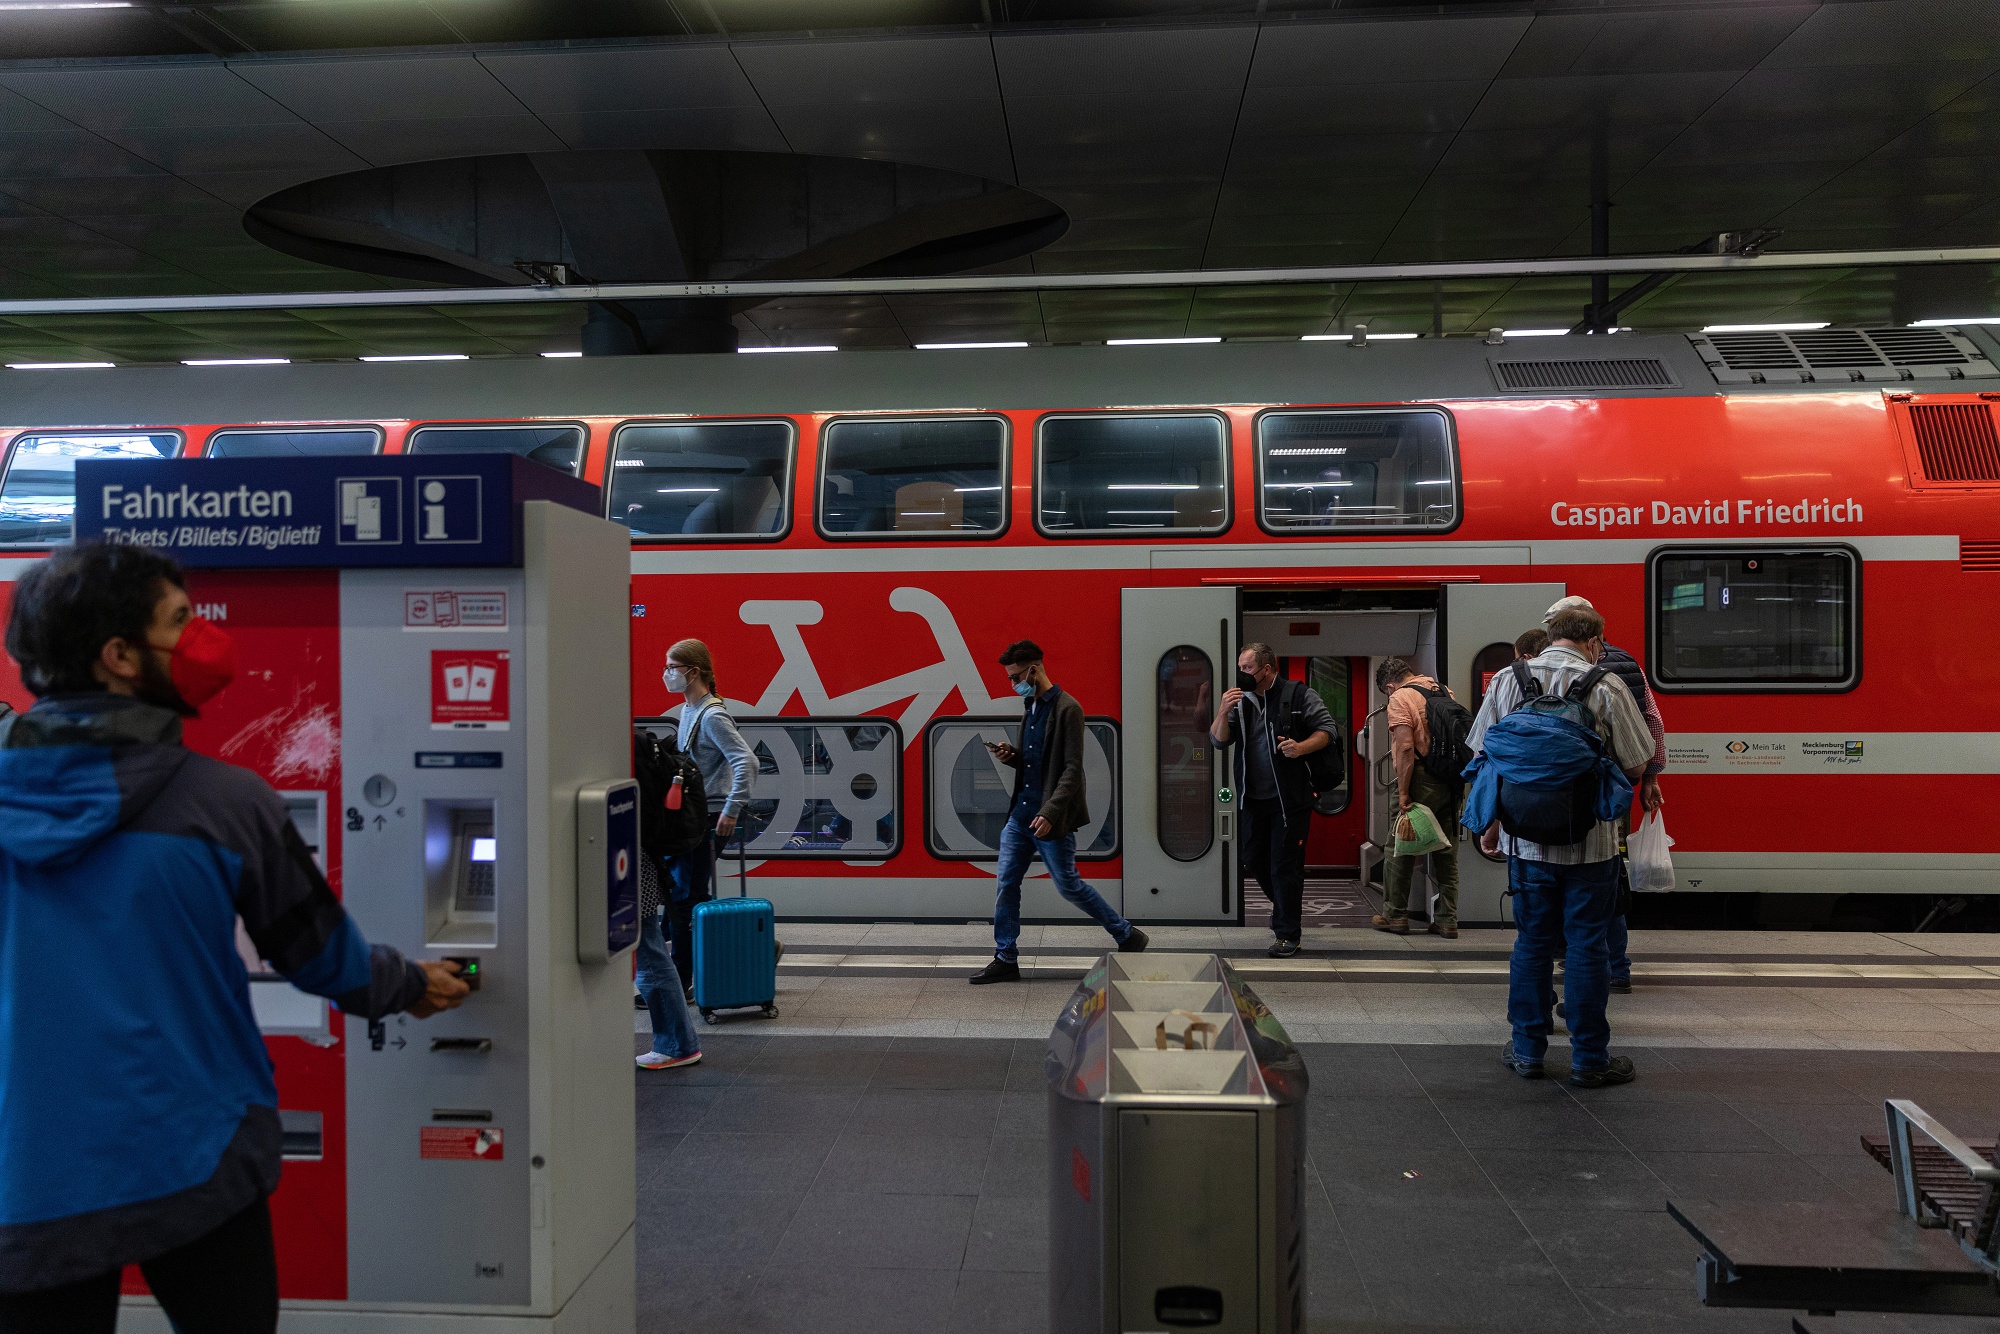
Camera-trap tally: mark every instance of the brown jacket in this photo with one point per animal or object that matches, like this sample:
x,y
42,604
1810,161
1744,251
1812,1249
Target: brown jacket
x,y
1062,769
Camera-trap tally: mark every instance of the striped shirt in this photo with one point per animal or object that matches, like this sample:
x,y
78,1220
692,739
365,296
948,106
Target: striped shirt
x,y
1619,722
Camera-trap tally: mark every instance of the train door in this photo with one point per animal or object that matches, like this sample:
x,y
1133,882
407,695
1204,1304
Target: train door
x,y
1177,650
1481,624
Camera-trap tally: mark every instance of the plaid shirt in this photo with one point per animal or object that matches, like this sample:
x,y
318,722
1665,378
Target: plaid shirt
x,y
1619,722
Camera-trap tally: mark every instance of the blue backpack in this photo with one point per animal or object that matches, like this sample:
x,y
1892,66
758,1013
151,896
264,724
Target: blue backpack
x,y
1546,774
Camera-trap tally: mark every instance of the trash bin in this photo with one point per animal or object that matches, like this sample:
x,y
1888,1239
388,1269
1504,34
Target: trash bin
x,y
1176,1154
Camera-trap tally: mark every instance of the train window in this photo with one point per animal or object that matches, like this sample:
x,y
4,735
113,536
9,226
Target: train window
x,y
925,476
826,787
38,495
558,447
1327,472
320,442
1741,619
702,479
968,791
1105,474
1185,700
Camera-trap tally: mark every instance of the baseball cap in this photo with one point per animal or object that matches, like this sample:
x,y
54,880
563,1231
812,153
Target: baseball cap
x,y
1570,603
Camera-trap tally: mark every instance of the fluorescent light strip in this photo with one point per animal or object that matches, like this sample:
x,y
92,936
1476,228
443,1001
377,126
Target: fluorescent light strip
x,y
1798,327
1941,324
1533,333
60,365
960,347
423,356
239,361
13,6
555,355
1373,337
1155,342
815,347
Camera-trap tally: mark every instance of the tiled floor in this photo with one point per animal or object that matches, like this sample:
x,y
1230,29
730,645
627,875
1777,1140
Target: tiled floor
x,y
826,1183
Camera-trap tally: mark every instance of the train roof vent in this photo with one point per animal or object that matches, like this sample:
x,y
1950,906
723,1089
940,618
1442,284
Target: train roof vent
x,y
1956,442
1840,355
1584,373
1979,557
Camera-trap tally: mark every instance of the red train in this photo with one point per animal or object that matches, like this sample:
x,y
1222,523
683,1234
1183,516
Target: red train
x,y
1797,533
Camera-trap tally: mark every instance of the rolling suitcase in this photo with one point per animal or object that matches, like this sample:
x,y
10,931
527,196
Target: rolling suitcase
x,y
735,951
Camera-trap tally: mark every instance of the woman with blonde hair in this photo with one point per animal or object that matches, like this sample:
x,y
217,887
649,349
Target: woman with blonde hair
x,y
708,736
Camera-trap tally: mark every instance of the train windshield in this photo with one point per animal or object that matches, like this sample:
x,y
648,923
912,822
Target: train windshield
x,y
939,476
557,447
702,479
1346,471
1109,474
1755,620
38,498
310,444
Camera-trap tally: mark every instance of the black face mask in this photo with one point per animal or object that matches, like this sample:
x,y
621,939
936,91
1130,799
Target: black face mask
x,y
1246,682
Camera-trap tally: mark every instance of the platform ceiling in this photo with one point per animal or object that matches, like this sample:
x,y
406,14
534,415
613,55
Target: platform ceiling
x,y
1175,136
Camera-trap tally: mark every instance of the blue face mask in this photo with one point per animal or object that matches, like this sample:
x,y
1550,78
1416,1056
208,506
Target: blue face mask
x,y
1024,688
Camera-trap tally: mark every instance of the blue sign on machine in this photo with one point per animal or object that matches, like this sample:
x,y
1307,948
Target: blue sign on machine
x,y
395,509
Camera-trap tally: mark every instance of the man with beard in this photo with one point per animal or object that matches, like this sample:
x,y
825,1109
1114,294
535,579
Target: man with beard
x,y
138,1111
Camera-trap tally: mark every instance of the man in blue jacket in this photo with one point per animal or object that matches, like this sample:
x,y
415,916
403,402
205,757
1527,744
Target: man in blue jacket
x,y
138,1110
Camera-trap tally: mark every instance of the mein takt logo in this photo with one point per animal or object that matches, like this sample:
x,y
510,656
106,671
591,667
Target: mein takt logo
x,y
1738,747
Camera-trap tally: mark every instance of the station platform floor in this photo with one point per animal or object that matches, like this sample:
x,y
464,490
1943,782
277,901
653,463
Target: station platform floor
x,y
874,1159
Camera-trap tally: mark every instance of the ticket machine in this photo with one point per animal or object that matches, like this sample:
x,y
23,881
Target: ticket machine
x,y
434,673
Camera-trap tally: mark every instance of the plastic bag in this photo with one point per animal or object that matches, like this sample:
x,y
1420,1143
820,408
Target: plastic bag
x,y
1646,857
1419,832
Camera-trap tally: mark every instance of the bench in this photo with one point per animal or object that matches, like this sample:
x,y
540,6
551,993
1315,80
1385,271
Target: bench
x,y
1936,1252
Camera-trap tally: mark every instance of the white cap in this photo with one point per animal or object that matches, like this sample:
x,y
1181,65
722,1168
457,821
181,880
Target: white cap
x,y
1570,603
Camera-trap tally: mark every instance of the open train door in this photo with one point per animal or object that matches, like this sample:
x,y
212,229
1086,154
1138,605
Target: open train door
x,y
1177,654
1481,623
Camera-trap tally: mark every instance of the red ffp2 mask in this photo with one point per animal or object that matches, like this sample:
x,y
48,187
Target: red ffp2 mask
x,y
203,662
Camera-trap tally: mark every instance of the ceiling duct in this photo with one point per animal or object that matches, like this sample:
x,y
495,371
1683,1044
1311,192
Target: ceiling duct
x,y
1860,355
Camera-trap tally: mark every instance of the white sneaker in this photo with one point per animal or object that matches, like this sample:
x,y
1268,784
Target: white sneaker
x,y
653,1060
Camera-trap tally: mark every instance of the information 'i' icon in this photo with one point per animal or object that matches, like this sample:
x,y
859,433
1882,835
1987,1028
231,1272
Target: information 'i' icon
x,y
434,512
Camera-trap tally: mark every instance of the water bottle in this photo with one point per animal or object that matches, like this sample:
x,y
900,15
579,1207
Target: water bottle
x,y
674,794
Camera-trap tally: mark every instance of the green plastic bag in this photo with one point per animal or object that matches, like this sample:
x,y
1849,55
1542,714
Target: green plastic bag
x,y
1419,832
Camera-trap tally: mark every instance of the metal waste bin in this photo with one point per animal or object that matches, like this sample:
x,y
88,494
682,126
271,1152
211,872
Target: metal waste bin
x,y
1176,1154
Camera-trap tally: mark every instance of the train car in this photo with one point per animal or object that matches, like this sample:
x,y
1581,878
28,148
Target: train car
x,y
1798,535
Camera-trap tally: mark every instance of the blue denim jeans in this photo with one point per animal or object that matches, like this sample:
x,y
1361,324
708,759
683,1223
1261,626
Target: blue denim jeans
x,y
659,985
1617,941
1561,911
1018,847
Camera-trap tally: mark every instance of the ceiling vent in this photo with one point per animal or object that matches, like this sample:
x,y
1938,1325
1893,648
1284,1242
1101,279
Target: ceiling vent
x,y
1979,557
1955,442
1553,373
1837,356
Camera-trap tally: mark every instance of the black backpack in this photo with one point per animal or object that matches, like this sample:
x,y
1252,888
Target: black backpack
x,y
1449,723
656,762
1327,766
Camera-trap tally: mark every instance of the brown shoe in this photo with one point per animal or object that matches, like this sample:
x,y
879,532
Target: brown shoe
x,y
1395,926
1449,930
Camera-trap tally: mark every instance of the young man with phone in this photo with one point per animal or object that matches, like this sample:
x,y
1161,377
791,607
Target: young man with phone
x,y
1047,809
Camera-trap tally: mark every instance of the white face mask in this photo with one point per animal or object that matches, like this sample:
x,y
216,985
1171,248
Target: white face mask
x,y
676,680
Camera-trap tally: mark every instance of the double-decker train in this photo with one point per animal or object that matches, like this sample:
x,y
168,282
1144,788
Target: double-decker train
x,y
1798,534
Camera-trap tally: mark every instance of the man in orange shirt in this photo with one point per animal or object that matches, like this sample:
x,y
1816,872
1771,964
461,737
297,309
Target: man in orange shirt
x,y
1409,742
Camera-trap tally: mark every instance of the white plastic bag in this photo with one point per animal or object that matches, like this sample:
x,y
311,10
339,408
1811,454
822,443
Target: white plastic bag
x,y
1646,856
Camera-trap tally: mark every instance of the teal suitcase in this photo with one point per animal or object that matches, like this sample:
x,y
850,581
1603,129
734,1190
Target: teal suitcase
x,y
735,956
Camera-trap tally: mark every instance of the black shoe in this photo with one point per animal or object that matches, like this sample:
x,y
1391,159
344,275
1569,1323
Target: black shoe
x,y
1283,949
638,1001
1000,970
1623,986
1134,943
1521,1065
1619,1071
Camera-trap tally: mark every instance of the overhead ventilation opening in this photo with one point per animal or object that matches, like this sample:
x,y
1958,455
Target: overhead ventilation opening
x,y
1809,356
1956,442
1585,373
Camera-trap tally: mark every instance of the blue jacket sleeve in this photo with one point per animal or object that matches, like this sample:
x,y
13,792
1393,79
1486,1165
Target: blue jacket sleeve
x,y
297,924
